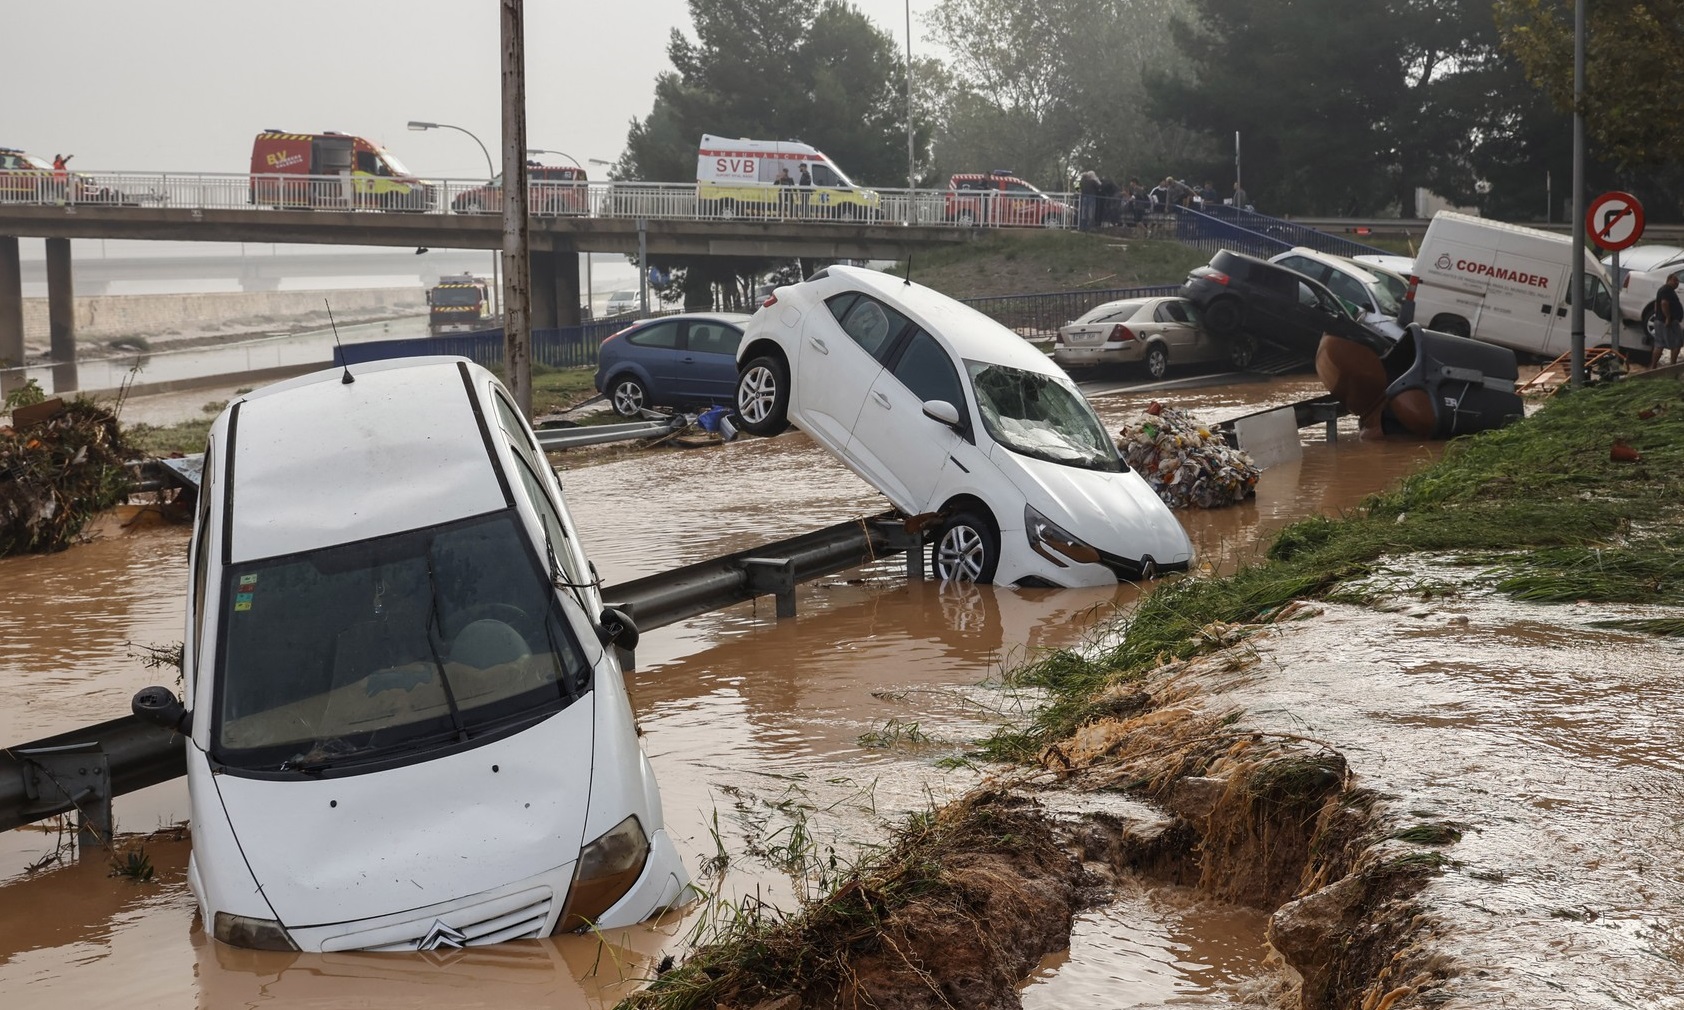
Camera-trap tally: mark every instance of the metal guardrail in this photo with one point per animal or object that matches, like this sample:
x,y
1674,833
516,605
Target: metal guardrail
x,y
472,197
1193,223
82,770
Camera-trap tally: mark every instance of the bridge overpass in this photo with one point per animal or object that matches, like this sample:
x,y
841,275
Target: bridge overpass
x,y
627,218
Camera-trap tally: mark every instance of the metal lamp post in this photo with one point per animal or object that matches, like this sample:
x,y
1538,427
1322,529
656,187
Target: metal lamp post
x,y
564,154
911,180
491,173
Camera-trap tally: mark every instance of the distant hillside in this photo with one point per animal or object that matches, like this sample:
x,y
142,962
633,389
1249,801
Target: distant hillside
x,y
1035,261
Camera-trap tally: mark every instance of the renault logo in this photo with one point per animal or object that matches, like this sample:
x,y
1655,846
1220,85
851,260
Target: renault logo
x,y
441,935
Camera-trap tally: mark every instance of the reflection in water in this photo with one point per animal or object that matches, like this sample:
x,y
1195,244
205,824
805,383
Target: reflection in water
x,y
760,730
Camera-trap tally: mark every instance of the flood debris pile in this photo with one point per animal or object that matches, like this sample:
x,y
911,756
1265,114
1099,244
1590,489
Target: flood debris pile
x,y
1184,461
61,463
963,906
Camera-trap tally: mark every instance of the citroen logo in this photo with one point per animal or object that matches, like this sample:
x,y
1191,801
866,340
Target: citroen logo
x,y
441,935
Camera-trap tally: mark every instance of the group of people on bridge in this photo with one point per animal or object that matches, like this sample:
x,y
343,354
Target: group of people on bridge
x,y
1104,203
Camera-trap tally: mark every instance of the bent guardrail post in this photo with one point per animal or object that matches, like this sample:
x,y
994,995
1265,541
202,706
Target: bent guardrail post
x,y
773,577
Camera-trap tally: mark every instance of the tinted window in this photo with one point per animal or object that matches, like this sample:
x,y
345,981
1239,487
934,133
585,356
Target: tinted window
x,y
1280,283
1018,187
714,338
509,418
658,335
872,325
840,304
1304,266
927,370
823,176
1306,296
1173,312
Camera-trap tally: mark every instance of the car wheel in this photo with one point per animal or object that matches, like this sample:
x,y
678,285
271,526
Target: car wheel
x,y
1241,350
628,395
1157,361
967,549
1222,317
1456,326
966,219
763,396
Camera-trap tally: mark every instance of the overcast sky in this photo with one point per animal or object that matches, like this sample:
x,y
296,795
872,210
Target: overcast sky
x,y
183,85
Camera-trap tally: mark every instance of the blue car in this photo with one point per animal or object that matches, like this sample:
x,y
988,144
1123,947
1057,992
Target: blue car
x,y
673,361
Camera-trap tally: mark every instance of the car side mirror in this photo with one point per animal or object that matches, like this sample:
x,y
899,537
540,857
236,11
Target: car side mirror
x,y
160,706
615,627
942,412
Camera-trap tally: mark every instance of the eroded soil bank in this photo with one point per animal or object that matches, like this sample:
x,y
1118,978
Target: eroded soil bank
x,y
1449,814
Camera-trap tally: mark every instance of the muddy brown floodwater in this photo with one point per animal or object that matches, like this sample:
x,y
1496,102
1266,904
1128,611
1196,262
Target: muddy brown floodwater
x,y
776,743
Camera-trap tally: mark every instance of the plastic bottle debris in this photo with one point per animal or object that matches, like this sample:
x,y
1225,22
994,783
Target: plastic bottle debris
x,y
1183,461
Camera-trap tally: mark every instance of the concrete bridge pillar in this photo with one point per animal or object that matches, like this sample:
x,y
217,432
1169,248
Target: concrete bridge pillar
x,y
61,315
11,315
555,289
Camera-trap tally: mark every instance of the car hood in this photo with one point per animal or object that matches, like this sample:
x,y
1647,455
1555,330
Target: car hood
x,y
1117,513
354,847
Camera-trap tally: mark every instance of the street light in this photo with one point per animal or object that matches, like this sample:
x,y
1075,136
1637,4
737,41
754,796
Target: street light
x,y
564,154
491,173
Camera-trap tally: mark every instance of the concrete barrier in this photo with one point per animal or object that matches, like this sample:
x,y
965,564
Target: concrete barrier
x,y
102,318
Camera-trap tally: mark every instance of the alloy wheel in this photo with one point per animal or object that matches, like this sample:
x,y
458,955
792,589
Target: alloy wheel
x,y
960,555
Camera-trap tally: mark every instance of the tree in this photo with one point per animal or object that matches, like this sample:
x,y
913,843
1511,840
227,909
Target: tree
x,y
1051,87
1347,106
827,77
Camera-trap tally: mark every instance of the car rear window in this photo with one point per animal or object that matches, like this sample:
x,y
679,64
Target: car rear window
x,y
1109,312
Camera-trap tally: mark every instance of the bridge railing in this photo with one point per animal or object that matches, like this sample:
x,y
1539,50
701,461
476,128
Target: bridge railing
x,y
1282,234
595,199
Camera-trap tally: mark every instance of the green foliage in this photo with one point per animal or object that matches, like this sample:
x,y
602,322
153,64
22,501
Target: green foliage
x,y
1633,88
134,864
26,395
1049,88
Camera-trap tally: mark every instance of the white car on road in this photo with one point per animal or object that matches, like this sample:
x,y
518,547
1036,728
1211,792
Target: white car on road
x,y
405,724
1364,285
958,420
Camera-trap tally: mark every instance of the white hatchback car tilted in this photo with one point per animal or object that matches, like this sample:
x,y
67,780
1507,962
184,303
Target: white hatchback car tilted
x,y
405,724
950,414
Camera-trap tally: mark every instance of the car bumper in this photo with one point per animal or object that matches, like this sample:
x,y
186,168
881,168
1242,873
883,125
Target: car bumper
x,y
1100,354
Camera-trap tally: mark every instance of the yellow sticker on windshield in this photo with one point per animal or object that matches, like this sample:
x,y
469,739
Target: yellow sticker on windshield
x,y
242,601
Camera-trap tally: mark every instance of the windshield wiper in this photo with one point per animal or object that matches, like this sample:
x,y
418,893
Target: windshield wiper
x,y
434,622
332,753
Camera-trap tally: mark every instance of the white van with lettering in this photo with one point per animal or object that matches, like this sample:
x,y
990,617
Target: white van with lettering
x,y
1506,285
405,724
741,177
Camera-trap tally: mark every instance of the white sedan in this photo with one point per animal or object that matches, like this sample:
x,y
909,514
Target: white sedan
x,y
1147,331
957,419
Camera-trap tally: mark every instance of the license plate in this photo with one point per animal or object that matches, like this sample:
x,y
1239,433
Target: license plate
x,y
1080,338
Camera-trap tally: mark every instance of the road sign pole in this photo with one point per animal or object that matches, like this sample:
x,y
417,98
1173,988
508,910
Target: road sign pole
x,y
1614,299
1576,279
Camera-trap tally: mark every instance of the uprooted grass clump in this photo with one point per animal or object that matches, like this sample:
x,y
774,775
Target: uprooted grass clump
x,y
1540,505
963,905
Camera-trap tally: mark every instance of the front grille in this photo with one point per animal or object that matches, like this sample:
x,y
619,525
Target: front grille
x,y
519,916
1129,569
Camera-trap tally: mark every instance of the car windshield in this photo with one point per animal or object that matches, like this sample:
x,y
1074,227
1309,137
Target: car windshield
x,y
393,165
456,295
1041,416
1389,290
364,651
31,161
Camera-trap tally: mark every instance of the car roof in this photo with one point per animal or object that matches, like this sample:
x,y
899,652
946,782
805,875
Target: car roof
x,y
1644,257
316,461
963,330
736,319
1350,266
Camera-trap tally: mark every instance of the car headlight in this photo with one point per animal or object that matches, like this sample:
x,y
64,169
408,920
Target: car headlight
x,y
607,869
1049,540
253,934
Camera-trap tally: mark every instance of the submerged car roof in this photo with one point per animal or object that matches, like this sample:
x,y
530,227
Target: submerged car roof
x,y
966,332
316,461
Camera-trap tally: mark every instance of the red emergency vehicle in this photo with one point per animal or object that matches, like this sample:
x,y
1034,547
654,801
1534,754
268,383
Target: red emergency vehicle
x,y
550,189
331,171
1001,198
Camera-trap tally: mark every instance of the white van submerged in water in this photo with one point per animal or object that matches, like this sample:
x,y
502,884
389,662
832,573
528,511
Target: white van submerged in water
x,y
406,725
1506,285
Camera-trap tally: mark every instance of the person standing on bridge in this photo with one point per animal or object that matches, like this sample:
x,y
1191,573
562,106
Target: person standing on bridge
x,y
786,196
1240,197
61,176
805,184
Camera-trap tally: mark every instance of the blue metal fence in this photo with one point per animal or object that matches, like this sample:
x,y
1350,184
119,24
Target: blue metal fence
x,y
1258,234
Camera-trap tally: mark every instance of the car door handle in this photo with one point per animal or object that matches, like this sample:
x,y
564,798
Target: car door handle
x,y
882,398
689,361
819,345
